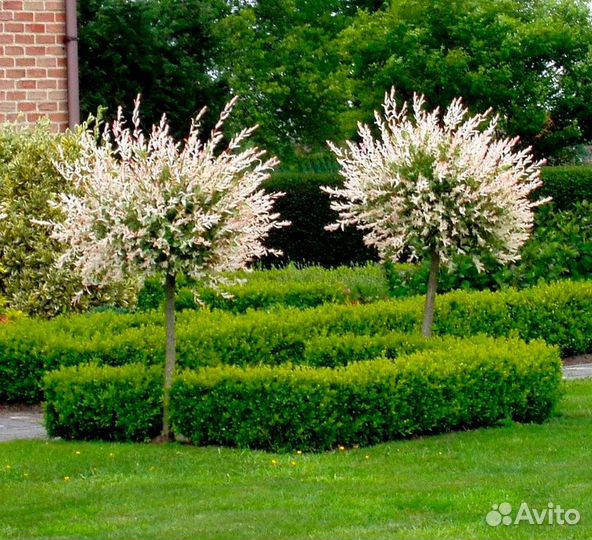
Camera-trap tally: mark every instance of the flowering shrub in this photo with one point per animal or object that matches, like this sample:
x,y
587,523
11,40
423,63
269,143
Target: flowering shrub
x,y
431,188
153,206
148,205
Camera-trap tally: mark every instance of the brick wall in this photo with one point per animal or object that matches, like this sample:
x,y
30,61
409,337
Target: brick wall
x,y
33,75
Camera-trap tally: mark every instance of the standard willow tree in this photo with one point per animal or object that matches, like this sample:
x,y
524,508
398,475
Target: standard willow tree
x,y
148,205
433,187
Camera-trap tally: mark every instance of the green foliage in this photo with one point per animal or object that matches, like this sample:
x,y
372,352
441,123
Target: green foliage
x,y
567,186
308,209
163,49
560,313
280,56
493,54
29,180
283,287
285,408
308,71
91,402
561,248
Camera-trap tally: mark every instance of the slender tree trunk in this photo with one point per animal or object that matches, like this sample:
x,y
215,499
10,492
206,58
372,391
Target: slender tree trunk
x,y
428,316
171,355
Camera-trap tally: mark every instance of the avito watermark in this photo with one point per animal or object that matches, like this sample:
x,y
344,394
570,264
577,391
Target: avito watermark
x,y
553,514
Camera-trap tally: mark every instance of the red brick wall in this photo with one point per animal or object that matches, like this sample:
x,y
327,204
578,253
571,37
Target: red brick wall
x,y
33,75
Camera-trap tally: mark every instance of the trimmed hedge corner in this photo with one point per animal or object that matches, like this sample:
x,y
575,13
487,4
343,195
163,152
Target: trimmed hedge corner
x,y
288,408
93,402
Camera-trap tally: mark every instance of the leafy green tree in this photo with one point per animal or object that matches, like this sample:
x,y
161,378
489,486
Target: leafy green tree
x,y
528,59
280,56
163,49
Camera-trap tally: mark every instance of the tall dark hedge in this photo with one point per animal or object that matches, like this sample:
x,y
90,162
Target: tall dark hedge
x,y
567,185
307,207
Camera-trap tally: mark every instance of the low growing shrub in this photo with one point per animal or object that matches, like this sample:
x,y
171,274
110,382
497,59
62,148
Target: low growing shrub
x,y
289,408
560,313
92,402
283,287
282,408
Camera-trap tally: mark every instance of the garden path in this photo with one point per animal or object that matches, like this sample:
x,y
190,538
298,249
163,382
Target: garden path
x,y
21,423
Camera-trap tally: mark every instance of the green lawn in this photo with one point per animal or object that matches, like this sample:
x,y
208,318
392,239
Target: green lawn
x,y
432,487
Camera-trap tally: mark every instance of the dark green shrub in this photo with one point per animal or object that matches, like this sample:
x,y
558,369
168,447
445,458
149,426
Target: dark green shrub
x,y
308,209
367,402
92,402
567,185
477,383
560,313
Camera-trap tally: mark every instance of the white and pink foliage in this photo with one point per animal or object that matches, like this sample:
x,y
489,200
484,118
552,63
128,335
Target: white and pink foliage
x,y
149,205
431,185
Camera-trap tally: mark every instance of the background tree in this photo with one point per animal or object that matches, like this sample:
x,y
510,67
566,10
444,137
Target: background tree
x,y
148,206
530,60
311,68
163,49
280,55
435,188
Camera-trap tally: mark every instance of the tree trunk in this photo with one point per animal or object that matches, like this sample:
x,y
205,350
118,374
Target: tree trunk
x,y
428,316
171,355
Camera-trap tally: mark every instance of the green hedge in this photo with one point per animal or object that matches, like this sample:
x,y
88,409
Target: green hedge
x,y
92,402
286,287
560,313
567,185
308,209
286,408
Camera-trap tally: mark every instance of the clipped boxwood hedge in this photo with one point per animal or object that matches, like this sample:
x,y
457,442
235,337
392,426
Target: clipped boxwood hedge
x,y
279,287
560,313
104,402
477,383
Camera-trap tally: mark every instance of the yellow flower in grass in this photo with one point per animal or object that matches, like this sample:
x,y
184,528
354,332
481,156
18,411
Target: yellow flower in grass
x,y
66,478
274,462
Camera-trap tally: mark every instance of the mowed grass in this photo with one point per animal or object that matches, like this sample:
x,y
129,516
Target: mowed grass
x,y
430,487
